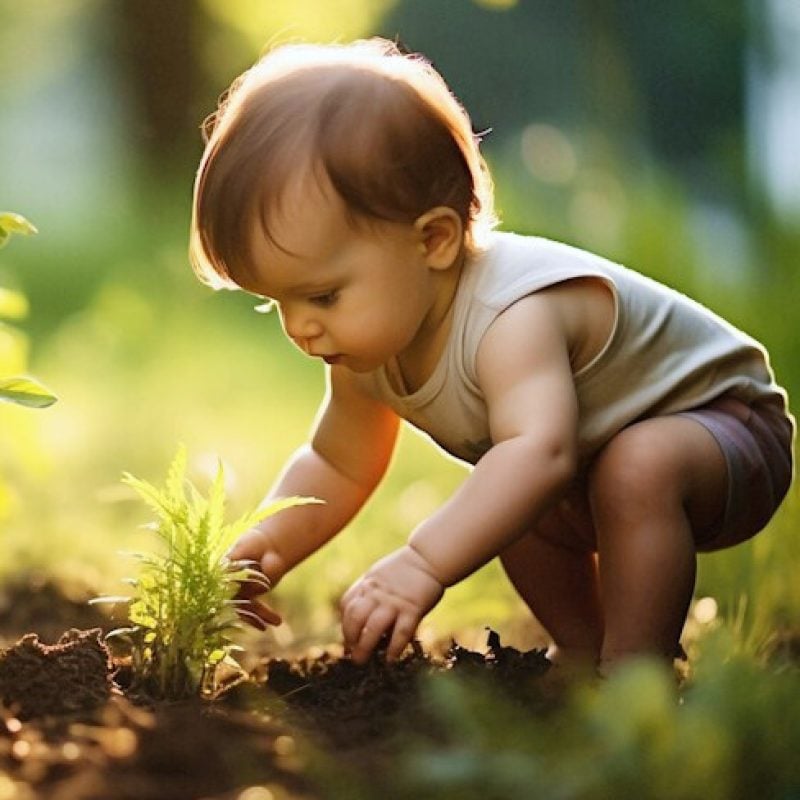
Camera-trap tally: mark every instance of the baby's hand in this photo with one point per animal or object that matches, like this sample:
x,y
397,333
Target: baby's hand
x,y
391,597
253,546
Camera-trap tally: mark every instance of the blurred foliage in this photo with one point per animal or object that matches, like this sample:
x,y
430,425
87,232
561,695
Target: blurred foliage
x,y
18,389
732,735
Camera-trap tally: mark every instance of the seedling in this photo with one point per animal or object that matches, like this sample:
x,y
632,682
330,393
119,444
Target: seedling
x,y
21,390
184,608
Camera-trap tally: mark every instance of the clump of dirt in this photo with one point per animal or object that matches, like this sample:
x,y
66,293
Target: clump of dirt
x,y
348,707
72,675
330,696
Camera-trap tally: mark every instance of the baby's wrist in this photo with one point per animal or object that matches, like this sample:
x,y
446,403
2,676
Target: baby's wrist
x,y
420,561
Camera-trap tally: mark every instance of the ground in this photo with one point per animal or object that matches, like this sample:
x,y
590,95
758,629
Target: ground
x,y
294,728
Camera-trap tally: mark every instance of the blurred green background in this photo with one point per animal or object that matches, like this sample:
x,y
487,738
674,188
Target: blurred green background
x,y
663,136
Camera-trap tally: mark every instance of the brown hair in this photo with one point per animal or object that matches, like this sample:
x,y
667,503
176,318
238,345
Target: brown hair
x,y
381,126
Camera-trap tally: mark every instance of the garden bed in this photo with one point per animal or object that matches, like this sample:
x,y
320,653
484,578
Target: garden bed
x,y
307,727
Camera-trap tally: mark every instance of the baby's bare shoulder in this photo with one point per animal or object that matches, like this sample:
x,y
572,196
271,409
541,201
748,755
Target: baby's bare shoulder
x,y
583,309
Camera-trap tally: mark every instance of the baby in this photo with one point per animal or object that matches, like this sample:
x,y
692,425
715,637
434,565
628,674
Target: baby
x,y
614,427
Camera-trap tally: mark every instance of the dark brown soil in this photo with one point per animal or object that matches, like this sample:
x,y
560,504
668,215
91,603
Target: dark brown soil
x,y
72,675
68,733
347,707
366,717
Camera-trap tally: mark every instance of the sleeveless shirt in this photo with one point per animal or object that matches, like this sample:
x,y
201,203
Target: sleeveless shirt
x,y
666,353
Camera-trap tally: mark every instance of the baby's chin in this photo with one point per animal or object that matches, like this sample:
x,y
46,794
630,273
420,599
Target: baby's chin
x,y
353,365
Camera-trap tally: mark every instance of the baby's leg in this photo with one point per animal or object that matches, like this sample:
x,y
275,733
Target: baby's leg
x,y
554,570
656,487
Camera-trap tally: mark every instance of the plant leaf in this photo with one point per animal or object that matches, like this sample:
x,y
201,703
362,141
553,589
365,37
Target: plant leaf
x,y
252,518
120,598
122,632
176,475
216,508
158,501
26,392
13,223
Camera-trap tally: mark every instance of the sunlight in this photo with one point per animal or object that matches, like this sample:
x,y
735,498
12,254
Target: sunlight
x,y
548,153
256,793
497,5
705,610
292,20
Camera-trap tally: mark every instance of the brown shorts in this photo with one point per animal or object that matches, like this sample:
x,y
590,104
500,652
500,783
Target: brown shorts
x,y
757,444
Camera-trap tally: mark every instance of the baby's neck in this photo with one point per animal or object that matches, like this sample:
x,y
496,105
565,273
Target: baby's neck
x,y
418,362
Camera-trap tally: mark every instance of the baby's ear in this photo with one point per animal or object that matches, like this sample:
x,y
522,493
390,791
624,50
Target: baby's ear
x,y
441,236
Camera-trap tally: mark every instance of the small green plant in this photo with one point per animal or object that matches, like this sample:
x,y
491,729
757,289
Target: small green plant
x,y
21,390
184,608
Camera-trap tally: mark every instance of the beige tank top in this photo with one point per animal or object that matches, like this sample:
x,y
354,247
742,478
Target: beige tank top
x,y
666,353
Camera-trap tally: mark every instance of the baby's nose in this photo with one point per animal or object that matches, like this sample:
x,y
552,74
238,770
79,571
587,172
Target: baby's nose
x,y
302,328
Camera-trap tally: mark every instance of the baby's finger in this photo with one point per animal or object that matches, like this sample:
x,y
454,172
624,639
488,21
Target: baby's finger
x,y
267,614
247,546
354,616
258,614
251,588
403,632
379,622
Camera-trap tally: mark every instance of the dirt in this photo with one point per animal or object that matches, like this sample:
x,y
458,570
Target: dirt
x,y
33,602
69,732
348,706
72,675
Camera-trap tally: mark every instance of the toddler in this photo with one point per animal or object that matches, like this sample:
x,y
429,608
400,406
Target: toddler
x,y
615,428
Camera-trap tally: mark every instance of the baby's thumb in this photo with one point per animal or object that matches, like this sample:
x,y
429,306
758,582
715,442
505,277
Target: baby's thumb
x,y
246,547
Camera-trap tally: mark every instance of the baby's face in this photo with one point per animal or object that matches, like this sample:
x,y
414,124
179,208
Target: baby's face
x,y
351,295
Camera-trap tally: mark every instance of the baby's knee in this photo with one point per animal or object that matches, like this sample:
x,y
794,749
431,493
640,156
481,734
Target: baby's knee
x,y
630,470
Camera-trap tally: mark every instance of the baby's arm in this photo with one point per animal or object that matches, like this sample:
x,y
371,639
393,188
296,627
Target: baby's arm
x,y
349,452
524,371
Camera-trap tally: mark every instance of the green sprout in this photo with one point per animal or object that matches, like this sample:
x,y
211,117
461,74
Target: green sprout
x,y
184,606
13,305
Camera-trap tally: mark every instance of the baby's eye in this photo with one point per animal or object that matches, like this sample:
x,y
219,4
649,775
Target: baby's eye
x,y
325,300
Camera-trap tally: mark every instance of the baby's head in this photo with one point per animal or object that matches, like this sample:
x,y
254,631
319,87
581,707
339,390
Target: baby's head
x,y
380,127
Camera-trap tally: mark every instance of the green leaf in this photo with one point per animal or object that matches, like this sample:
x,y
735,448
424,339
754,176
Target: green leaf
x,y
176,475
122,633
13,305
13,223
137,613
111,598
253,518
216,505
25,392
150,494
